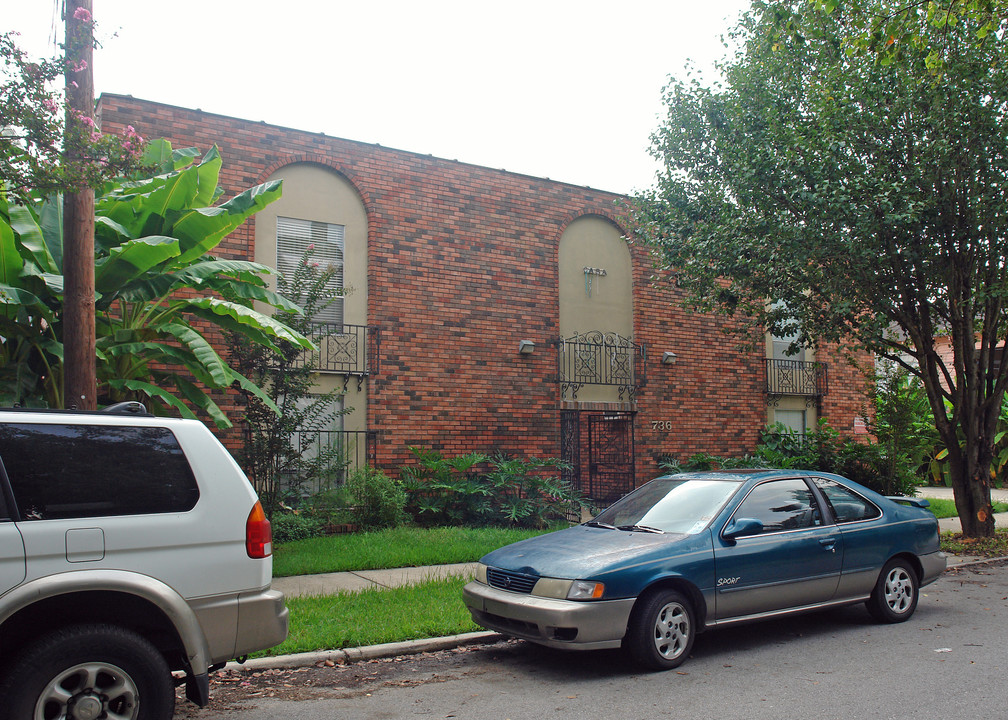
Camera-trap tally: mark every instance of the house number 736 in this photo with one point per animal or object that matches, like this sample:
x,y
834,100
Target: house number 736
x,y
665,425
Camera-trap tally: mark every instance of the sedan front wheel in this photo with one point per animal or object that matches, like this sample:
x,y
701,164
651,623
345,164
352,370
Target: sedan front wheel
x,y
661,630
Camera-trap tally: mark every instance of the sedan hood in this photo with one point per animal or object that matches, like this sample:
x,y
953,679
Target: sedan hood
x,y
578,552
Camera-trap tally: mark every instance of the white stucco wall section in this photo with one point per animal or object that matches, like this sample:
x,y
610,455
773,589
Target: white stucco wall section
x,y
312,192
596,287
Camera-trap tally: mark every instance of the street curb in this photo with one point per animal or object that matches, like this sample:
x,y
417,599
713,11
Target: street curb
x,y
978,561
371,652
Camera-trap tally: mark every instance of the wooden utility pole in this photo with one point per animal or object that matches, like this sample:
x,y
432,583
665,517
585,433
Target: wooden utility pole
x,y
79,374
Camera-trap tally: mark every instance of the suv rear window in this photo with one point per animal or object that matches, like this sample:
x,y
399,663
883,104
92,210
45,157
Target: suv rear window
x,y
75,471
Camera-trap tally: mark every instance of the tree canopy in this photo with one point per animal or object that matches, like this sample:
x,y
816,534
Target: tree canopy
x,y
852,198
893,29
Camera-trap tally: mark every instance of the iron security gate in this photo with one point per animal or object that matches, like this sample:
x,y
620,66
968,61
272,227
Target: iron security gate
x,y
606,441
610,456
570,453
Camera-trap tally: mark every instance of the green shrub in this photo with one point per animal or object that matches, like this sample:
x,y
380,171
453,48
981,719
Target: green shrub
x,y
445,491
293,526
823,450
336,506
378,500
511,492
903,425
330,506
528,493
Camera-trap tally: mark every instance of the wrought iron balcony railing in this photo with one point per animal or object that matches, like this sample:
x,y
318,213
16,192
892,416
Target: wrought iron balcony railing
x,y
600,358
351,350
796,377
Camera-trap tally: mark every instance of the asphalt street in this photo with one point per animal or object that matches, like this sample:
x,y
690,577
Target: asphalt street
x,y
949,660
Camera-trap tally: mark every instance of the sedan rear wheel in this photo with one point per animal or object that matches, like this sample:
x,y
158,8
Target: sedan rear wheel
x,y
894,598
661,630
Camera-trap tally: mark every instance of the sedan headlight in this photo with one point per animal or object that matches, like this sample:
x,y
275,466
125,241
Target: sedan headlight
x,y
552,588
568,589
481,573
585,590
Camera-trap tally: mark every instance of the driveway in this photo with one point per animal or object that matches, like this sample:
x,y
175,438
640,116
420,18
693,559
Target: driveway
x,y
948,660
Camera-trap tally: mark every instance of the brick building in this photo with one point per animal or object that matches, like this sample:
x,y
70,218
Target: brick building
x,y
493,311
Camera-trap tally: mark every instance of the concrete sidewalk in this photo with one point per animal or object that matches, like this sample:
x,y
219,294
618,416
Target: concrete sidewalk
x,y
952,524
945,493
332,583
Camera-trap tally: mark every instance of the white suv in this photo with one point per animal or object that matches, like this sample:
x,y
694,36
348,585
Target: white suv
x,y
130,547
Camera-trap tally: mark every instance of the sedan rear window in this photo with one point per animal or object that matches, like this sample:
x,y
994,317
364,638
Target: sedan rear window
x,y
74,471
847,505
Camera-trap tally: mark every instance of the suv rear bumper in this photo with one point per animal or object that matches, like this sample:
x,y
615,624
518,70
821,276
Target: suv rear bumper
x,y
238,624
262,621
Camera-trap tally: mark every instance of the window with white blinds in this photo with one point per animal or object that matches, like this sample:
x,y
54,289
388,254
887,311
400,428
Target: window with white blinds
x,y
781,343
293,238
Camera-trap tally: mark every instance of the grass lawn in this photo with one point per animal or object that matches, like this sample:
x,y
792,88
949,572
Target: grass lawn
x,y
371,617
946,508
395,548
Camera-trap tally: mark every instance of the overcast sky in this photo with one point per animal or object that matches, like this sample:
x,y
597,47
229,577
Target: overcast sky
x,y
565,89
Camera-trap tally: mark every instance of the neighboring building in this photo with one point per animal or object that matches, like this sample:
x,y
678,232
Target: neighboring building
x,y
492,311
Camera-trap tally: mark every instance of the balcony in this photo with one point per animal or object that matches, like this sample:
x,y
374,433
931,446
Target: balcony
x,y
796,378
600,359
348,350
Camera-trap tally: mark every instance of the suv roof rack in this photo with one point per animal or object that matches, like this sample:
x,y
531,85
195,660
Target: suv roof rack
x,y
130,407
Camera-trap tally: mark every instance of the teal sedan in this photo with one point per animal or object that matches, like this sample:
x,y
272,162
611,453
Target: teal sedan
x,y
698,550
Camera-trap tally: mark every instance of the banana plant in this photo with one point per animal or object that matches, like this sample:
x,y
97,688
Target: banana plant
x,y
157,287
31,354
938,465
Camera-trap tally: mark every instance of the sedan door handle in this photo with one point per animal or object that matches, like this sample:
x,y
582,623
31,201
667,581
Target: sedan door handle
x,y
828,544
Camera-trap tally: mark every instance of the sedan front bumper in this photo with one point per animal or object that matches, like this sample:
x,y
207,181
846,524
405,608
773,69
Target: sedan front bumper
x,y
571,624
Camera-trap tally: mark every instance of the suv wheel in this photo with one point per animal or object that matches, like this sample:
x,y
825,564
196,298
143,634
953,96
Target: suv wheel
x,y
87,672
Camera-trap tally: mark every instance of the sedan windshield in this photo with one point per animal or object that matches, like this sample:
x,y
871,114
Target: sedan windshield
x,y
677,504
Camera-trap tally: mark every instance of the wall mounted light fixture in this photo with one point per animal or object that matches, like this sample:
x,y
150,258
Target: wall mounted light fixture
x,y
526,347
668,358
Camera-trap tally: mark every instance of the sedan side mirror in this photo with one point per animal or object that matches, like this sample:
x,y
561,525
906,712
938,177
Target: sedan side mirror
x,y
742,527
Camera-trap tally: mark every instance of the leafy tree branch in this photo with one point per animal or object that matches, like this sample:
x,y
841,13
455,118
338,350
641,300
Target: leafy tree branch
x,y
822,192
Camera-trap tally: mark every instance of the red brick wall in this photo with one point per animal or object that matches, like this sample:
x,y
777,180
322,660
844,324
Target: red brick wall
x,y
462,264
849,381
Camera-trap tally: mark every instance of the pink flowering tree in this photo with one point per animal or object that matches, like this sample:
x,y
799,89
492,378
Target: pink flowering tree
x,y
36,130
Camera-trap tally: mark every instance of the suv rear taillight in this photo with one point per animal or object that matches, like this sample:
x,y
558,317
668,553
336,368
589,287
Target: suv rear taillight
x,y
258,534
